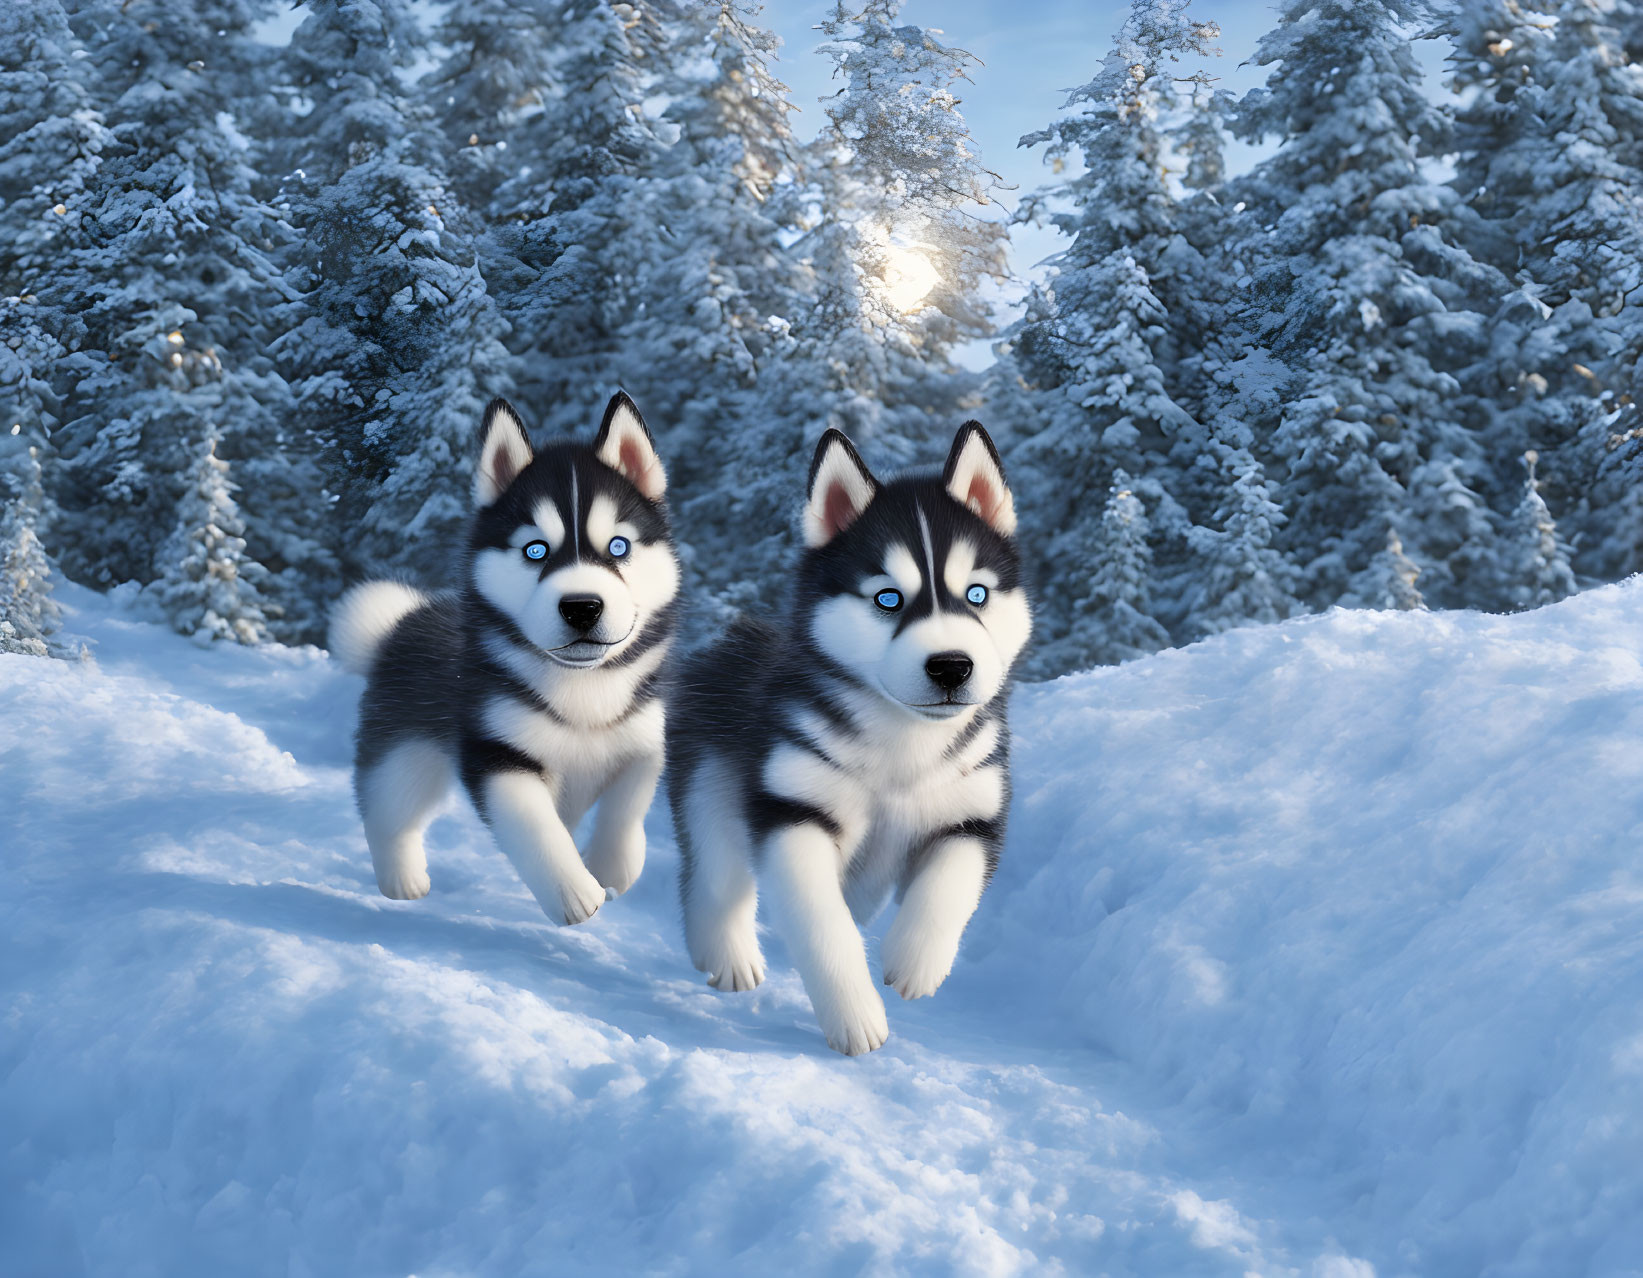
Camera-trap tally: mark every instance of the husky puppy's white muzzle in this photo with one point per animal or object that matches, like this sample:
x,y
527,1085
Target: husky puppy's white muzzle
x,y
942,666
581,615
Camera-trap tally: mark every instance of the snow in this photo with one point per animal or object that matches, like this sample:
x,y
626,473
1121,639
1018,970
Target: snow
x,y
1317,950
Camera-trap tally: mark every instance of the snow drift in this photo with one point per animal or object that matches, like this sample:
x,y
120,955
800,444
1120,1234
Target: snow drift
x,y
1318,949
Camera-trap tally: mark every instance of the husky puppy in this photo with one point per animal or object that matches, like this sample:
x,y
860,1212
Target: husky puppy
x,y
860,745
538,683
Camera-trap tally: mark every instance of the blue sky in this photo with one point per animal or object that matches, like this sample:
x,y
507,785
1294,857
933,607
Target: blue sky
x,y
1032,53
1033,50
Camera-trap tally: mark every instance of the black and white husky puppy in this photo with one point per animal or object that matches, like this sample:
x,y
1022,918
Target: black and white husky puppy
x,y
538,683
860,746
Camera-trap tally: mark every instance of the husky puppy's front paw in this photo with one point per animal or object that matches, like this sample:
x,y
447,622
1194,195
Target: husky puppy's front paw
x,y
734,970
918,954
725,946
739,977
616,860
856,1025
919,981
915,971
580,899
404,884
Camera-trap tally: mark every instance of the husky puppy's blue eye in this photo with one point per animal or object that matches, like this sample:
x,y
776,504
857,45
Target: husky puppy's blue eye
x,y
619,547
536,550
889,600
976,595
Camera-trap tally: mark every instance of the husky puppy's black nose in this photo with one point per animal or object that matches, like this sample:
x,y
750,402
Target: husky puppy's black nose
x,y
581,612
949,670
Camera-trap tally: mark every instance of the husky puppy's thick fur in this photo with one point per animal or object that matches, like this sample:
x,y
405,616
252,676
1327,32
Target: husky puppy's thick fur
x,y
538,683
860,746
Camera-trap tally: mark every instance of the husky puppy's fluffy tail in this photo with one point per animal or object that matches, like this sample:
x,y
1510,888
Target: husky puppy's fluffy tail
x,y
364,617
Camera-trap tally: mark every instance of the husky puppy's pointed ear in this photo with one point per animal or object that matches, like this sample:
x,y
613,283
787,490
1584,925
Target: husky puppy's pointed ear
x,y
504,451
975,478
624,444
840,488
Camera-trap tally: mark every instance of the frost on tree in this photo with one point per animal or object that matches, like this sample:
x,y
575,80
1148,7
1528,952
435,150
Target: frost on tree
x,y
496,90
1094,350
210,587
847,279
900,176
1199,138
30,357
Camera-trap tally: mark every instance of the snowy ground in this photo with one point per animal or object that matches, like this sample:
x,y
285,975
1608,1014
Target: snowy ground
x,y
1318,951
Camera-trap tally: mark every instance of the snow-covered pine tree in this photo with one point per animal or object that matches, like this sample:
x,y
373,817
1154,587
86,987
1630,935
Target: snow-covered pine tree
x,y
900,249
1236,573
1195,288
1389,580
495,88
28,614
553,96
1199,138
1355,282
1112,613
51,142
1500,52
1541,573
210,589
1550,140
164,266
1095,344
1241,576
709,346
391,342
29,356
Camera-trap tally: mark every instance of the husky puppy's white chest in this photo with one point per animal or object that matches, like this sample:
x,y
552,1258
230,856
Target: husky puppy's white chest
x,y
582,728
901,780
